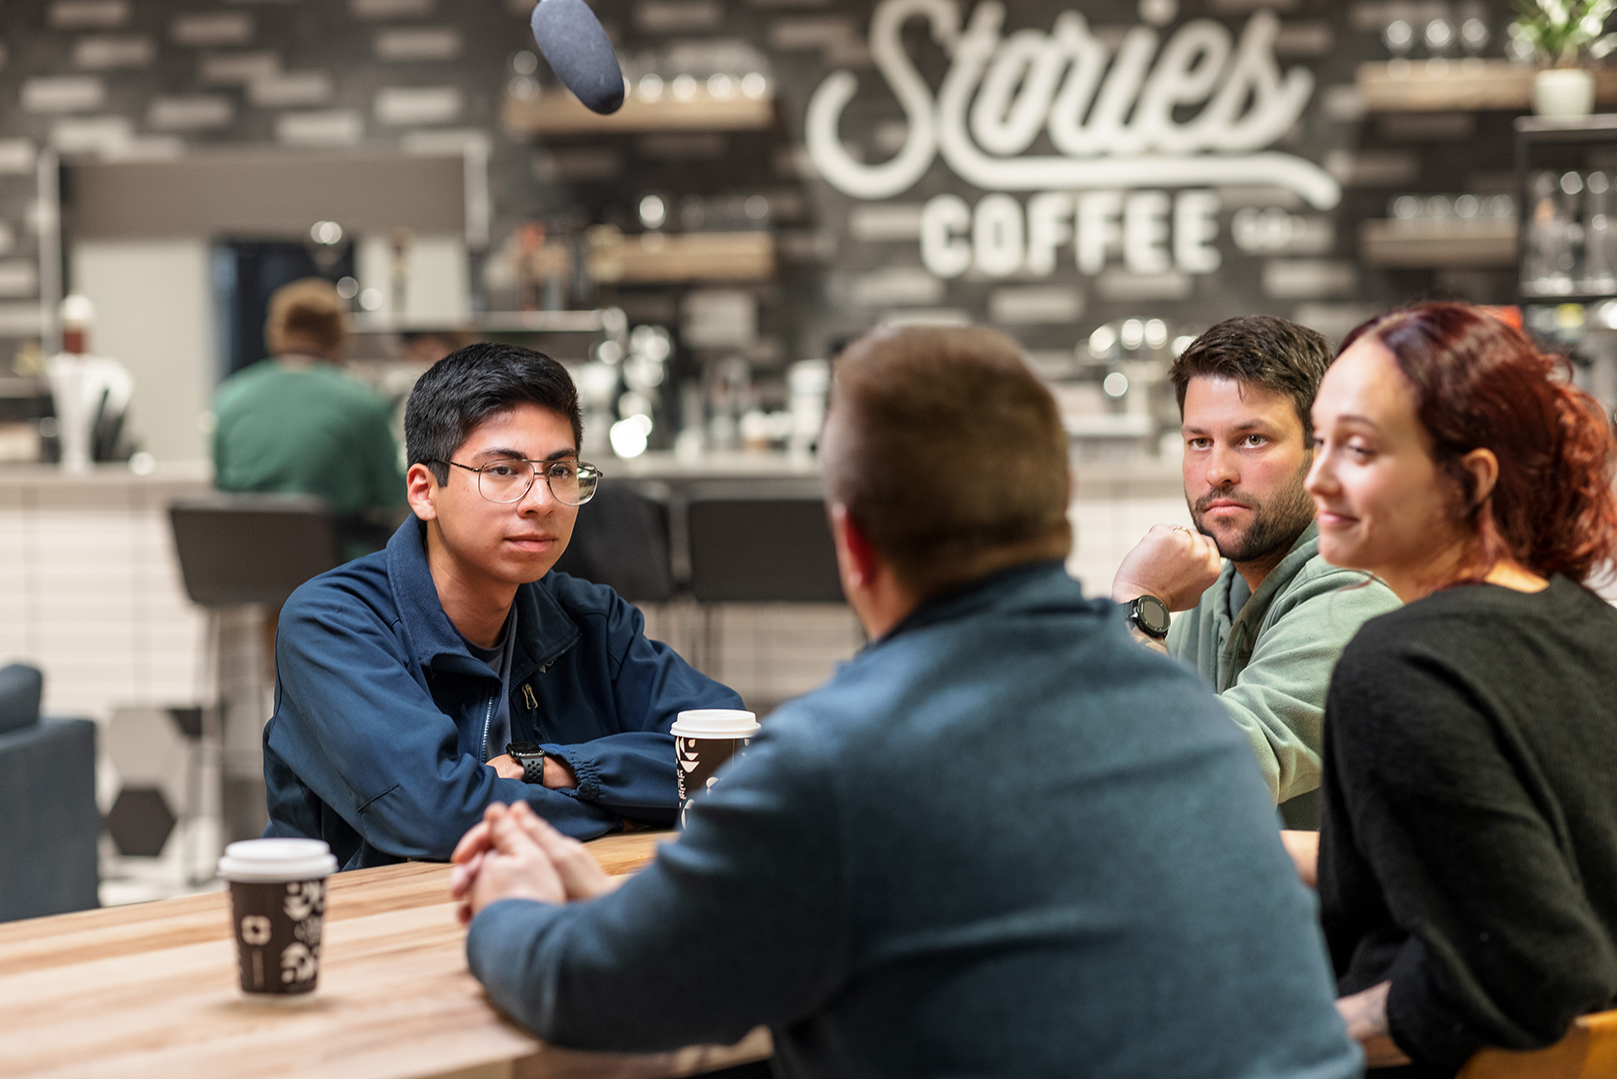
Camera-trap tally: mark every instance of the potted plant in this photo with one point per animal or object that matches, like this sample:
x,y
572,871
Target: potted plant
x,y
1561,33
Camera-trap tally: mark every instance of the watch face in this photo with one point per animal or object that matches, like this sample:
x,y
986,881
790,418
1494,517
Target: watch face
x,y
1151,614
518,750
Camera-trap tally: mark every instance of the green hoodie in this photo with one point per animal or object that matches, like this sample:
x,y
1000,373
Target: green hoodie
x,y
1269,657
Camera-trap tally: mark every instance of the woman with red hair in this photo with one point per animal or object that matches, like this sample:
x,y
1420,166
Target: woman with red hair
x,y
1467,867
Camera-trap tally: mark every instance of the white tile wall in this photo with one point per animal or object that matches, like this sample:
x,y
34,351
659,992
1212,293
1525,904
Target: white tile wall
x,y
92,596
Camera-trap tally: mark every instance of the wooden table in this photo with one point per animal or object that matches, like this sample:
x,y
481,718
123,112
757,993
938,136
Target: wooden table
x,y
151,990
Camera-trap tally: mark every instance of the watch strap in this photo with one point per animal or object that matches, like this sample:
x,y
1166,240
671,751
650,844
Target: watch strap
x,y
533,770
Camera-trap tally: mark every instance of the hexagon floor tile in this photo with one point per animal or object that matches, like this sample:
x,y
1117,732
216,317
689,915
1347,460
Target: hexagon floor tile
x,y
140,822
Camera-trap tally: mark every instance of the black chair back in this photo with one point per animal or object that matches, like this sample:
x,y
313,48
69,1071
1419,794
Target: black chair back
x,y
621,540
252,548
762,550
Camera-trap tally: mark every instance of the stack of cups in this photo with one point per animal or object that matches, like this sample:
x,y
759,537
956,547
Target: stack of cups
x,y
278,901
704,739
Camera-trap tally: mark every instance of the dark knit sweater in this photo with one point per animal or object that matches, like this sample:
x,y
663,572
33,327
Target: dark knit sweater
x,y
1469,848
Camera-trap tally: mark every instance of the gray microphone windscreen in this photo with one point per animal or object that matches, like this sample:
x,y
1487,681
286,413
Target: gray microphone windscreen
x,y
577,48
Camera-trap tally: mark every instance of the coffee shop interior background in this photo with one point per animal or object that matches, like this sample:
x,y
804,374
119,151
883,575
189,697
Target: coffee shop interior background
x,y
1102,180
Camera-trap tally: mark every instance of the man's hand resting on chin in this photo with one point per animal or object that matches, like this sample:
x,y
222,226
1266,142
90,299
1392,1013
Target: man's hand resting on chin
x,y
513,854
1172,563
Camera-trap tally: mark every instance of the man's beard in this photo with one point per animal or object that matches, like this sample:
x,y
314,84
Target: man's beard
x,y
1275,524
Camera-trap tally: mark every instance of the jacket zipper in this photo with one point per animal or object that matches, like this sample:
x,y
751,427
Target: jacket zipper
x,y
533,708
532,701
488,720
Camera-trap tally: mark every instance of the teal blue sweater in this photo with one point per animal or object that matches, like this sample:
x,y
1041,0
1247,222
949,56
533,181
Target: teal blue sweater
x,y
1004,840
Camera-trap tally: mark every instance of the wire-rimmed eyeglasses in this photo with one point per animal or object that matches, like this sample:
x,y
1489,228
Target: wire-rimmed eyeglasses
x,y
509,479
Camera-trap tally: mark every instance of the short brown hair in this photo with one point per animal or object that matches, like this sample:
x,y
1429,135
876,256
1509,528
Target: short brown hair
x,y
951,457
306,314
1259,350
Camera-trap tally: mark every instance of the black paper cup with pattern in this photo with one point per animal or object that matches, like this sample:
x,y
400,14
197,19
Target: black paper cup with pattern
x,y
278,906
704,738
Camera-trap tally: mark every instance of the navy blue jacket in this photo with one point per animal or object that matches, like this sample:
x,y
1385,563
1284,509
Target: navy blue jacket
x,y
376,744
1005,840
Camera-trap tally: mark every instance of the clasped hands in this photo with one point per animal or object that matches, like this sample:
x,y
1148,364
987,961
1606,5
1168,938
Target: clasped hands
x,y
513,854
1172,563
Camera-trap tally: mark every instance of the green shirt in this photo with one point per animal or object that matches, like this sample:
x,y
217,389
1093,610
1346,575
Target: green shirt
x,y
306,430
1269,657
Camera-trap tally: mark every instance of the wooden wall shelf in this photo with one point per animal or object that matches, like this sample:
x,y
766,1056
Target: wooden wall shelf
x,y
1459,85
655,258
557,112
1438,244
489,322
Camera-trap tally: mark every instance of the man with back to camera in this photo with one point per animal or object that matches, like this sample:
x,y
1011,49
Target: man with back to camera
x,y
402,677
1265,628
296,423
967,853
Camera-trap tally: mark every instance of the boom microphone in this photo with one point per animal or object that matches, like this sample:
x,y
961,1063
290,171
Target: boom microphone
x,y
579,53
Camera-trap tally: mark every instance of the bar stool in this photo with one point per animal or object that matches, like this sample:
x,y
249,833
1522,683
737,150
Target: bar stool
x,y
252,548
621,540
238,550
757,550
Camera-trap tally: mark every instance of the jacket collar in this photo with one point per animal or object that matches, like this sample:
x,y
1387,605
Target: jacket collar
x,y
544,628
1044,583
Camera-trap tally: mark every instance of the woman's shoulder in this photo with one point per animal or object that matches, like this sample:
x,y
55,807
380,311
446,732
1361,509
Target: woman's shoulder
x,y
1472,618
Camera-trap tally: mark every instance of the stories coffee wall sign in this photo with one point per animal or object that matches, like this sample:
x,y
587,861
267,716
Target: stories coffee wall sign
x,y
1137,137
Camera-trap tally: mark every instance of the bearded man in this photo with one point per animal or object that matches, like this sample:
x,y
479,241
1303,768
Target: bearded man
x,y
1268,616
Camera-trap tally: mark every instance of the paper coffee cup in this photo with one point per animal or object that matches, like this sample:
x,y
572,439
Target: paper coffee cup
x,y
704,739
278,903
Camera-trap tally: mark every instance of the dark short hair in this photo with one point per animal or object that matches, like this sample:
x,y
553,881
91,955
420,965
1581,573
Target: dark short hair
x,y
952,458
471,384
1259,350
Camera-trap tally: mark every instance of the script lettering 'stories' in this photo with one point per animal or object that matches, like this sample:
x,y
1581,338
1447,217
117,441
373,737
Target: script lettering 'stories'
x,y
1196,111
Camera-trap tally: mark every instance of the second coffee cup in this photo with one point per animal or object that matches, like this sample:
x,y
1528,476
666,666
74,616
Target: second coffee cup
x,y
704,739
278,904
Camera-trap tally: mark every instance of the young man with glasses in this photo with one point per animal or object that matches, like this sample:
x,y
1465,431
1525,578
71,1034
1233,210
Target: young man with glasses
x,y
403,677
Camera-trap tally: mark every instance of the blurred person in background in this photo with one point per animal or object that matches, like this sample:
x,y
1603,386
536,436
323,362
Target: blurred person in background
x,y
1467,865
295,423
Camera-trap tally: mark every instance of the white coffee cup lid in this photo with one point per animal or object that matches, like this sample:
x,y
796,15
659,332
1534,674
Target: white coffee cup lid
x,y
716,723
261,860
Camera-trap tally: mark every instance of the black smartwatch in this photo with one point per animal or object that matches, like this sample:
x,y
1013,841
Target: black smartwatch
x,y
532,759
1149,615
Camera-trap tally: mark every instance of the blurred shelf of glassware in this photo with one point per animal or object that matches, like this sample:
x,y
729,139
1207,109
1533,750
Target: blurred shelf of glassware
x,y
1442,85
1442,230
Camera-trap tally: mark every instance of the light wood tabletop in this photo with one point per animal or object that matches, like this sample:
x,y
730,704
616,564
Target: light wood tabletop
x,y
150,990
